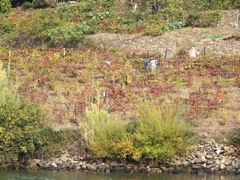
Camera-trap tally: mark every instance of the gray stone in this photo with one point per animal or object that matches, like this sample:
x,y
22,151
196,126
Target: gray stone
x,y
64,159
54,165
222,166
209,166
210,162
84,166
228,163
40,164
156,170
197,166
229,168
209,157
91,167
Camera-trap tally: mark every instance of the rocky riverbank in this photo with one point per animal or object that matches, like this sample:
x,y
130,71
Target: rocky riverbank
x,y
208,157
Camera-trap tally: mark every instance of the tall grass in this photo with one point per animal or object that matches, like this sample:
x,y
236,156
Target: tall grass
x,y
158,134
161,132
8,91
101,132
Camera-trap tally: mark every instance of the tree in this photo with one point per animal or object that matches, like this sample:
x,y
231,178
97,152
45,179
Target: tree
x,y
5,6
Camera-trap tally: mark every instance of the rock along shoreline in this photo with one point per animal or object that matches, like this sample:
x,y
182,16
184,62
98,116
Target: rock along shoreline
x,y
204,158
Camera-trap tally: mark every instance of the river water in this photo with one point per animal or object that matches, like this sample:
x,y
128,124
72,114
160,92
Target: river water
x,y
67,175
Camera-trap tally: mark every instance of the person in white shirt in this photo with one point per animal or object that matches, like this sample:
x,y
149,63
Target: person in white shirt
x,y
153,64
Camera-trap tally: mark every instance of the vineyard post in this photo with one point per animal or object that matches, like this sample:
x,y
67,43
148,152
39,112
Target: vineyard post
x,y
82,61
75,111
42,88
204,50
211,81
104,97
165,54
137,22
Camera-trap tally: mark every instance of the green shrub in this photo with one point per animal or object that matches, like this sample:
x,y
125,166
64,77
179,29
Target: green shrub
x,y
234,139
5,6
156,29
101,133
18,122
23,132
44,3
50,142
68,34
81,7
161,133
176,25
203,19
27,5
158,134
38,26
5,26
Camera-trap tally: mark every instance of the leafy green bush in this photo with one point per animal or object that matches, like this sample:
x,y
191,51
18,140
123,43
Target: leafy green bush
x,y
19,122
234,139
5,26
68,34
101,133
81,7
5,6
176,25
156,29
23,133
37,27
49,142
44,3
160,133
203,19
27,5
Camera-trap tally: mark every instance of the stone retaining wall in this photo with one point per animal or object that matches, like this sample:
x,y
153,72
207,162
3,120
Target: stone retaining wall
x,y
208,157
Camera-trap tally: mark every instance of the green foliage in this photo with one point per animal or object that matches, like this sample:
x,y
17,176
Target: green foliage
x,y
65,35
19,126
37,27
200,5
101,133
22,130
68,34
216,36
176,25
234,139
27,5
5,6
43,3
19,122
150,17
156,29
50,142
8,92
203,19
158,134
81,7
161,133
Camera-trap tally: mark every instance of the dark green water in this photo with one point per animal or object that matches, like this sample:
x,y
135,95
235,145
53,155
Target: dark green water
x,y
66,175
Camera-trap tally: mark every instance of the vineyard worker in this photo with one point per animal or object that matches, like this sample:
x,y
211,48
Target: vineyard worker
x,y
108,63
145,64
153,64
